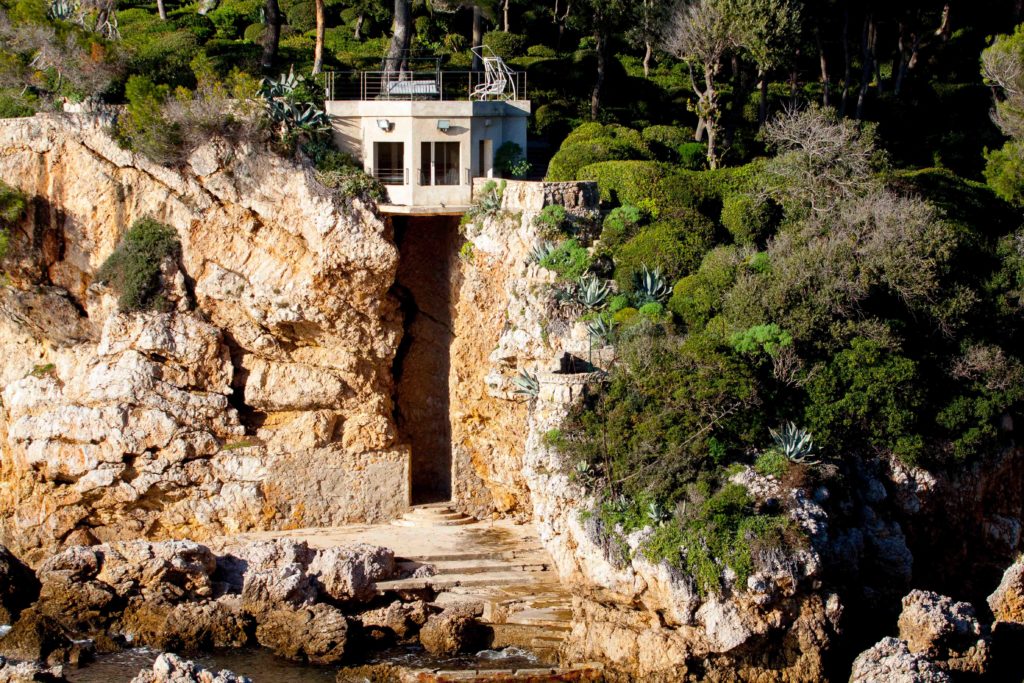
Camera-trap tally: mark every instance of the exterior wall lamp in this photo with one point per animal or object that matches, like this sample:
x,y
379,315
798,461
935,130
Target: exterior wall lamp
x,y
443,125
384,124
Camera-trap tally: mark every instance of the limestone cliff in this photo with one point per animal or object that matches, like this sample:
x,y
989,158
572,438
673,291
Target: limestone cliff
x,y
262,400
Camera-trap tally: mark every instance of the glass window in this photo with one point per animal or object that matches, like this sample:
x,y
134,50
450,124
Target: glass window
x,y
389,162
439,163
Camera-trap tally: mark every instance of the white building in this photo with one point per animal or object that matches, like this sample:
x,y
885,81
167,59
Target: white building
x,y
426,133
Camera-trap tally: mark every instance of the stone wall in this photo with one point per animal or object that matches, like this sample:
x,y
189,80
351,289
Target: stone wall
x,y
262,400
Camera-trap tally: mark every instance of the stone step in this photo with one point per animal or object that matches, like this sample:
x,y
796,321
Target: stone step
x,y
426,522
432,514
478,566
548,617
446,581
528,553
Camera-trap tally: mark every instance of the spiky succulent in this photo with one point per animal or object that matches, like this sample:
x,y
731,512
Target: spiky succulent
x,y
296,117
527,384
795,443
271,88
657,514
600,330
651,286
63,10
541,251
593,292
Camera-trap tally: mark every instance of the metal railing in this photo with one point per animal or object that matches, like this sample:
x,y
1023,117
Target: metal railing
x,y
392,176
422,85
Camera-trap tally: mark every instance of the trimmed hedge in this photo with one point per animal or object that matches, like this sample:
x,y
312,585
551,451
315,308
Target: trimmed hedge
x,y
592,143
676,247
698,297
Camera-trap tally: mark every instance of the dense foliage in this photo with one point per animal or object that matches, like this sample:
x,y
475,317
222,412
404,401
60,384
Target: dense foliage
x,y
134,268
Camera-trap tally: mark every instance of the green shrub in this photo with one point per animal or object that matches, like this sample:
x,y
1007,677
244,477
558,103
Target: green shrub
x,y
569,260
254,32
675,247
866,395
143,127
15,105
698,297
625,182
693,155
12,206
665,141
1004,171
592,143
653,311
505,45
551,221
300,14
541,51
626,316
552,121
509,159
617,303
620,224
769,339
772,463
749,219
133,269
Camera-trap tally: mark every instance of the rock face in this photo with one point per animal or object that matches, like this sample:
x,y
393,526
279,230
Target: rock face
x,y
449,633
28,672
890,661
170,668
317,634
944,631
261,401
1007,601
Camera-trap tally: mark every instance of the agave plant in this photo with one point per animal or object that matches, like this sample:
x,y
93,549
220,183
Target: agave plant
x,y
583,471
527,384
271,88
600,330
651,286
795,443
295,117
657,514
541,251
62,10
593,292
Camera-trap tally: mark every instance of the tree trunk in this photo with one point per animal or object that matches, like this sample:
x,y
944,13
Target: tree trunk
x,y
273,14
478,35
945,28
826,94
847,62
762,87
711,114
598,91
318,47
161,9
358,35
648,52
505,17
400,34
868,67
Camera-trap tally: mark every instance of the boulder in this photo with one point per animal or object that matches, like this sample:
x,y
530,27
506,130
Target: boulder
x,y
350,573
1007,601
260,556
944,631
398,621
36,637
451,632
890,661
171,571
317,634
287,586
188,626
70,593
28,672
170,668
19,587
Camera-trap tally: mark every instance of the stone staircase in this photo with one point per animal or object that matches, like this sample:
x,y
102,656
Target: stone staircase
x,y
510,585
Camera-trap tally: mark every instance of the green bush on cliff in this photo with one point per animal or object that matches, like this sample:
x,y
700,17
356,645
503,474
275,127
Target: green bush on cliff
x,y
12,206
133,269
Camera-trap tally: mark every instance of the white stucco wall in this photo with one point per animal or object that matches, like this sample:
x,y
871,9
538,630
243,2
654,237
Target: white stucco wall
x,y
413,122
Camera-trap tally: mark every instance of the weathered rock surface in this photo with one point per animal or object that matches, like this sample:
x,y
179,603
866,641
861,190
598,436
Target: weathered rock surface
x,y
170,668
36,637
944,631
399,621
451,632
350,573
262,400
317,634
890,661
188,626
19,587
29,672
1007,601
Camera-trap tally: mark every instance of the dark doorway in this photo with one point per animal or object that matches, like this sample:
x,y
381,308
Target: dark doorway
x,y
428,248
